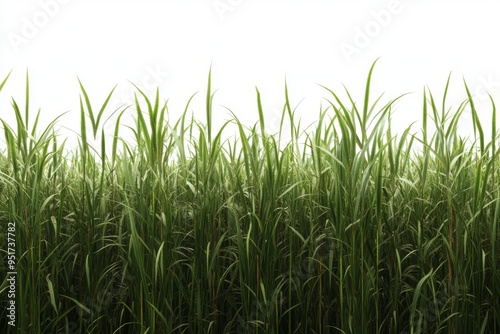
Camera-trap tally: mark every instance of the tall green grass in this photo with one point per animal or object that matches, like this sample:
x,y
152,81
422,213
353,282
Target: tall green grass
x,y
346,228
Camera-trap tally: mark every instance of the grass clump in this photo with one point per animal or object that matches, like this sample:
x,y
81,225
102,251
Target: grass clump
x,y
344,229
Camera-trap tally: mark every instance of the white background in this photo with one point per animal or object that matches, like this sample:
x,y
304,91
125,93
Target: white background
x,y
171,44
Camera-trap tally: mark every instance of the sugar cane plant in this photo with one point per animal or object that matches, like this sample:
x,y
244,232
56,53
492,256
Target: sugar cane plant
x,y
346,228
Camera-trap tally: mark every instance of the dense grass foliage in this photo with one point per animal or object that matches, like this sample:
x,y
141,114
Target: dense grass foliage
x,y
346,228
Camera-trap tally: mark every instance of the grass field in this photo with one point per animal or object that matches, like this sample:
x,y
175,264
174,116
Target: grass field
x,y
345,228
